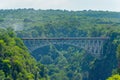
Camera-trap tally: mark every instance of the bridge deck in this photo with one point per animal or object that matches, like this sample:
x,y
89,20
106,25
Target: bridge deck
x,y
68,38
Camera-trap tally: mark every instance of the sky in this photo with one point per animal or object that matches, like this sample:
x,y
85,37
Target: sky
x,y
105,5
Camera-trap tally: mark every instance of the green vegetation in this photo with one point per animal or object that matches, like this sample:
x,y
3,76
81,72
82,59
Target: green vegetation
x,y
116,72
114,77
15,61
61,62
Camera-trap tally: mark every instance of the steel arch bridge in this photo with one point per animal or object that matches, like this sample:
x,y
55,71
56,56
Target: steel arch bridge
x,y
93,45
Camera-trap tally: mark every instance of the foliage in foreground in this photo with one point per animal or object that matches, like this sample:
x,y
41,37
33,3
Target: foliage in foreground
x,y
114,77
15,61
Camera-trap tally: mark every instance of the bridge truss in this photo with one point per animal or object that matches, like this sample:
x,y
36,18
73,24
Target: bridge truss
x,y
93,45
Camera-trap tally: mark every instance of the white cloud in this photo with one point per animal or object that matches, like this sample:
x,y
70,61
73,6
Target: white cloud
x,y
62,4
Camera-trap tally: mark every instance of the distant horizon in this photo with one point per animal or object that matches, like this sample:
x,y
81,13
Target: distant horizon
x,y
70,5
58,9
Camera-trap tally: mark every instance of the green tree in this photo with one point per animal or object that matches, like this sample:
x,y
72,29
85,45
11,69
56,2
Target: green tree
x,y
114,77
2,75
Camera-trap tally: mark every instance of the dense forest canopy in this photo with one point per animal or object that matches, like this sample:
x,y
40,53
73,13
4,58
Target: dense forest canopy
x,y
15,61
61,62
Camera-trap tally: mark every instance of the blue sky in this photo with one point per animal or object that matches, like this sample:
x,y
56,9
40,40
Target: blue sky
x,y
110,5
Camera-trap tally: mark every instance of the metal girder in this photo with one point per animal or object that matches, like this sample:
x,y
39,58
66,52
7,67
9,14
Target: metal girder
x,y
93,45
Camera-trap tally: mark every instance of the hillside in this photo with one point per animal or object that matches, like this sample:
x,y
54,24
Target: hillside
x,y
65,62
15,61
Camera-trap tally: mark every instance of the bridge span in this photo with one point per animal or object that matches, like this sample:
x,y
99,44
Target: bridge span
x,y
92,45
68,38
